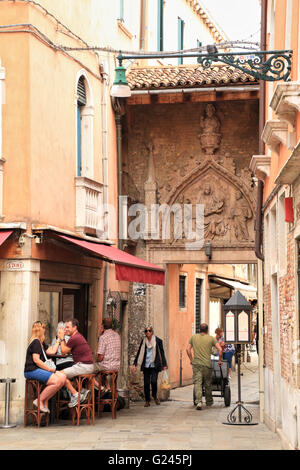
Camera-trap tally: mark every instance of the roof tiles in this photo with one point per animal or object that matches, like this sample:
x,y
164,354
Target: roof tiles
x,y
185,76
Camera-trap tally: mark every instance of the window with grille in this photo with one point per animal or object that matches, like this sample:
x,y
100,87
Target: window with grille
x,y
182,291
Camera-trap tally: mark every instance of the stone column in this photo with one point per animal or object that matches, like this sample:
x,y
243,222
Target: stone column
x,y
19,297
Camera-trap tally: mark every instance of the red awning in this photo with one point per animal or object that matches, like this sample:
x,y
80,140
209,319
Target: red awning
x,y
4,235
128,267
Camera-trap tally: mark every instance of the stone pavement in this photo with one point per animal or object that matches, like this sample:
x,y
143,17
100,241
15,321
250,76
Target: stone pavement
x,y
172,425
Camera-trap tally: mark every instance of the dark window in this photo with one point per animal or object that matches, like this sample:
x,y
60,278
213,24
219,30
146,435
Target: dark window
x,y
180,38
160,25
182,291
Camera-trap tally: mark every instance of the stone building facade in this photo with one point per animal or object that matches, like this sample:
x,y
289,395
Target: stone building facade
x,y
184,147
278,169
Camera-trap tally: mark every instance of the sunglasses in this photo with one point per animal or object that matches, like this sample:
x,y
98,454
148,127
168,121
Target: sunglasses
x,y
148,331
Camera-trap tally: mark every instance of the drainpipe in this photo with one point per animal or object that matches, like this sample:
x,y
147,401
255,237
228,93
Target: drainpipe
x,y
105,175
118,106
258,225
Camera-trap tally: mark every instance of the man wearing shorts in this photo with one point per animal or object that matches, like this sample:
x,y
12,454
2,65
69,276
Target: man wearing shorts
x,y
82,356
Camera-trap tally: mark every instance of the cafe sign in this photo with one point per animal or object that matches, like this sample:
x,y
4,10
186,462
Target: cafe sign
x,y
14,265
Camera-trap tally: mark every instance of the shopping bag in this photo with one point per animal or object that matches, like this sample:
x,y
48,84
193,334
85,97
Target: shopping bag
x,y
165,385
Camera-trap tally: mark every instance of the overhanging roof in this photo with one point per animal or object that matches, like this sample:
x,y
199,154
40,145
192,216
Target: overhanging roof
x,y
247,290
186,76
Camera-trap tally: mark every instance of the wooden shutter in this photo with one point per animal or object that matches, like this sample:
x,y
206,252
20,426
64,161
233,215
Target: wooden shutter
x,y
81,93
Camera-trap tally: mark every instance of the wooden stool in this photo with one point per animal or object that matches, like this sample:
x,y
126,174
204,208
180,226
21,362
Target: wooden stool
x,y
36,387
89,407
114,392
61,404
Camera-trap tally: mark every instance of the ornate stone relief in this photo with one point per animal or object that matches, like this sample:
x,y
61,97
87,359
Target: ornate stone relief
x,y
221,182
210,136
229,204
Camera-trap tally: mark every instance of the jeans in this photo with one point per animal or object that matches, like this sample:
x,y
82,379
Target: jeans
x,y
202,375
228,357
150,377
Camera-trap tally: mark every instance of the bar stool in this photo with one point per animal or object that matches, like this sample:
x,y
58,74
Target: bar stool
x,y
36,388
89,381
61,404
114,392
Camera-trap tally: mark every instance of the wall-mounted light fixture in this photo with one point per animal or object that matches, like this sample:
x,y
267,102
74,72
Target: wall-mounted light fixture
x,y
208,249
120,88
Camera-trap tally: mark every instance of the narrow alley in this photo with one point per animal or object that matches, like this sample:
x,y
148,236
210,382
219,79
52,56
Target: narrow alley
x,y
173,425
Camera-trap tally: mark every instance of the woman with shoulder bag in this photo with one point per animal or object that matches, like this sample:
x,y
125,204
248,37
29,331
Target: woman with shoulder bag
x,y
151,358
38,367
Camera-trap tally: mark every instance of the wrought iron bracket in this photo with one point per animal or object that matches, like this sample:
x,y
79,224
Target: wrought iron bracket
x,y
263,65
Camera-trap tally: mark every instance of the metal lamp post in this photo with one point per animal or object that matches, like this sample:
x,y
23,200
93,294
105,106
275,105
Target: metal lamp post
x,y
237,330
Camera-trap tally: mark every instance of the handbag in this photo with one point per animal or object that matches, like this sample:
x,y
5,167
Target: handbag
x,y
48,362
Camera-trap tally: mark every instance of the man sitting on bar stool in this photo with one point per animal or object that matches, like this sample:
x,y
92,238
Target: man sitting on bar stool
x,y
109,349
82,356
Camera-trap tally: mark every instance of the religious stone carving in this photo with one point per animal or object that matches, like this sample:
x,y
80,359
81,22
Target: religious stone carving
x,y
240,214
228,203
214,212
210,136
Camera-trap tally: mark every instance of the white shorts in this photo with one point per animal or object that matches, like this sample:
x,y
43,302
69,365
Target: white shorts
x,y
79,369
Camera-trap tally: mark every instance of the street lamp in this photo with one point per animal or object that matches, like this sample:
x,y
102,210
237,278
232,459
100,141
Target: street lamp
x,y
237,331
237,313
120,88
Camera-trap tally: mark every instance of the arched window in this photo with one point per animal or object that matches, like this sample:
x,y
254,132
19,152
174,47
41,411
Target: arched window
x,y
85,118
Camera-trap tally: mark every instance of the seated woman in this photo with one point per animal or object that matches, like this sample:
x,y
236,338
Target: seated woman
x,y
62,362
36,369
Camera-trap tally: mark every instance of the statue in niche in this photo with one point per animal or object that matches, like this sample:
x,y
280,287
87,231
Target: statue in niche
x,y
240,214
210,136
214,206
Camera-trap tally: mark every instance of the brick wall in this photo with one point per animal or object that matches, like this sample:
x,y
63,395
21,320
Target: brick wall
x,y
174,129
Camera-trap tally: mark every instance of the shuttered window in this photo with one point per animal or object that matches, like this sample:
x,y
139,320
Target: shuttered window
x,y
198,305
81,92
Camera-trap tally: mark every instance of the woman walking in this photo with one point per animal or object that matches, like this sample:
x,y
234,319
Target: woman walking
x,y
151,359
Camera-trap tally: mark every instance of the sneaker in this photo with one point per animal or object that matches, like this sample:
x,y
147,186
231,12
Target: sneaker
x,y
84,395
147,404
73,401
157,401
199,406
229,377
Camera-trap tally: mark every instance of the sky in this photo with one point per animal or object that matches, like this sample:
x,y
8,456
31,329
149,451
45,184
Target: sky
x,y
239,19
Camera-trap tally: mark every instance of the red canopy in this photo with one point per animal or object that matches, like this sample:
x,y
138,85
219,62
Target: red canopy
x,y
4,234
128,267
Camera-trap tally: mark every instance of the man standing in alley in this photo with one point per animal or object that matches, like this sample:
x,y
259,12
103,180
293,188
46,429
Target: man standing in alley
x,y
200,358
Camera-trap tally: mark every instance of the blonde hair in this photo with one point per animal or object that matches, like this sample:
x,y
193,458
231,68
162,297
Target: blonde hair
x,y
37,332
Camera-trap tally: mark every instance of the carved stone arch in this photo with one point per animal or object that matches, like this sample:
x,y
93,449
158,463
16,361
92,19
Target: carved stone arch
x,y
197,173
228,201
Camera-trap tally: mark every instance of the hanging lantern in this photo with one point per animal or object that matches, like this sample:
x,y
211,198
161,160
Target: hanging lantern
x,y
237,313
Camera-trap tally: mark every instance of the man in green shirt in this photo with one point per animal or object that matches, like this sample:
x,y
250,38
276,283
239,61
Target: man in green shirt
x,y
202,344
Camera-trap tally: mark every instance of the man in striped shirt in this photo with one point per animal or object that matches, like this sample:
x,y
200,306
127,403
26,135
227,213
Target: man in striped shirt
x,y
109,348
